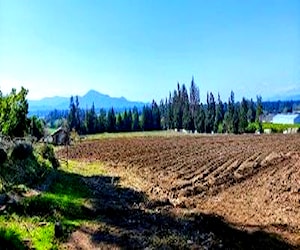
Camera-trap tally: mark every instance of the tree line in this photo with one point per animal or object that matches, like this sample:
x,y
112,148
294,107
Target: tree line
x,y
88,121
182,109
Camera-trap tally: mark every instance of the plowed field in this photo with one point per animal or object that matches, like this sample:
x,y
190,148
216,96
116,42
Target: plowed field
x,y
251,180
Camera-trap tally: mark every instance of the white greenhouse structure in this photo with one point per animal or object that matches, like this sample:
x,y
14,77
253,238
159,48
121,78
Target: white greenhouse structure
x,y
286,119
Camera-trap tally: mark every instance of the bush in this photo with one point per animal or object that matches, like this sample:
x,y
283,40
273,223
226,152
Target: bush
x,y
252,128
22,150
47,152
3,155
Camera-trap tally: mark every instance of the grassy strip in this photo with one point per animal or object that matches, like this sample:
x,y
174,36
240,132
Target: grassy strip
x,y
279,128
132,134
31,222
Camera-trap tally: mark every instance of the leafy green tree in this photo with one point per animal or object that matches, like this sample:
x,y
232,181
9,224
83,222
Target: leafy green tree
x,y
13,113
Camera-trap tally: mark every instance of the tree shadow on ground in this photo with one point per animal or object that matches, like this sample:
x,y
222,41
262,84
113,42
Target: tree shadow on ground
x,y
10,240
138,223
128,219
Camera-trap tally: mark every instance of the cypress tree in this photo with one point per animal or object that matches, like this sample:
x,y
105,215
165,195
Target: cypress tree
x,y
111,121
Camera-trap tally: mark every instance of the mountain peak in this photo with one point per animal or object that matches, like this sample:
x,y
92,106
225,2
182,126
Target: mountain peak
x,y
93,93
92,96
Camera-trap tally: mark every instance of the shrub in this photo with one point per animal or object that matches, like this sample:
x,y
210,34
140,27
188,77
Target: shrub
x,y
22,150
252,128
3,155
47,152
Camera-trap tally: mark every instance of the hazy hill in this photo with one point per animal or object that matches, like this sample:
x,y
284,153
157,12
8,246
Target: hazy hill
x,y
100,101
293,95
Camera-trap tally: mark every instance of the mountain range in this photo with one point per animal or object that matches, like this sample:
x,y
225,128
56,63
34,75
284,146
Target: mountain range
x,y
291,97
45,105
100,100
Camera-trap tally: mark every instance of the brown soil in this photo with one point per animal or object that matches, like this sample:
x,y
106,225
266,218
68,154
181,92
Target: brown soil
x,y
252,181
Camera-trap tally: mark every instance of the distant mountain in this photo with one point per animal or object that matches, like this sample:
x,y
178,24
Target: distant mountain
x,y
100,100
293,95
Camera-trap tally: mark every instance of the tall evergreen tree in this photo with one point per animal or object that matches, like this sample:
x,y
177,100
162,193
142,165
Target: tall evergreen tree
x,y
129,121
243,119
211,111
186,111
37,127
91,120
259,112
228,119
111,120
163,115
259,108
251,111
147,119
170,112
102,121
194,102
119,123
219,116
135,119
177,111
200,119
236,117
155,116
77,116
72,114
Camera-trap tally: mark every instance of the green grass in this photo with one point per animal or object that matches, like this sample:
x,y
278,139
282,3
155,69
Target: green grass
x,y
132,134
279,128
83,168
65,201
25,228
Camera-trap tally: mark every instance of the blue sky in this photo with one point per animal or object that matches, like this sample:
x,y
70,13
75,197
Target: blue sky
x,y
140,49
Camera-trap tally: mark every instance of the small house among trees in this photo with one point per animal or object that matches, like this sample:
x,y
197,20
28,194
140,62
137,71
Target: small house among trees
x,y
60,136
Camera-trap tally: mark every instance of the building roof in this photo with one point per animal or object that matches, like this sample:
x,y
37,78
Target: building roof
x,y
285,118
60,129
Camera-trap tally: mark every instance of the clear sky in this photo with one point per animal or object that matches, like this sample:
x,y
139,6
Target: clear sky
x,y
140,49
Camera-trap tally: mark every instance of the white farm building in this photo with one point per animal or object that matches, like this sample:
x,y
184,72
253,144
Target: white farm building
x,y
286,119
